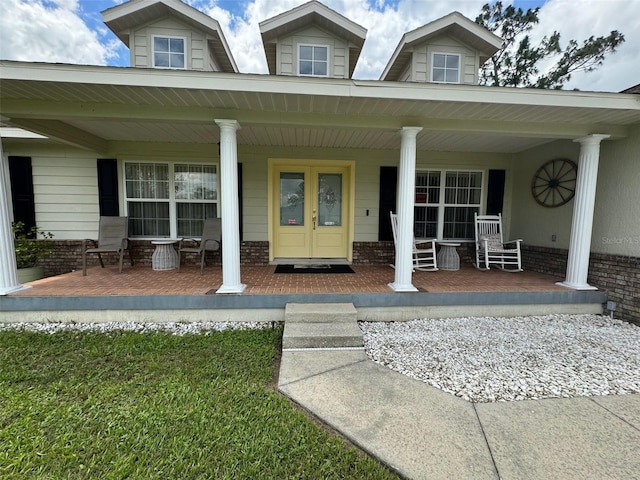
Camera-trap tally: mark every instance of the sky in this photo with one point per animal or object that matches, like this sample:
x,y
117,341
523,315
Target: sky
x,y
71,31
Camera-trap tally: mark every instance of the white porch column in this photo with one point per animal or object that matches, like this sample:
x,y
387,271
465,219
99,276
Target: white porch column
x,y
8,274
583,206
230,208
405,202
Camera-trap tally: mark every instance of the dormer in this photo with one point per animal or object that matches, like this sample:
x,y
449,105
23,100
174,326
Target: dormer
x,y
448,50
170,34
312,40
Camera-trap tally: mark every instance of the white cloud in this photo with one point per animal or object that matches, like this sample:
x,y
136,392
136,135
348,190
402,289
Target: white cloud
x,y
50,31
580,19
54,31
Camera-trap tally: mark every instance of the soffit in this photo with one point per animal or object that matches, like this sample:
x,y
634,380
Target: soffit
x,y
180,107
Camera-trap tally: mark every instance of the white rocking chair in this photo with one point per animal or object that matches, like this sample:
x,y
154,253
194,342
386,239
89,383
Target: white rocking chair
x,y
490,247
424,259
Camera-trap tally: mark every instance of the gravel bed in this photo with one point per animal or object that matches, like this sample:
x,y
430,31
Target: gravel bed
x,y
508,359
176,328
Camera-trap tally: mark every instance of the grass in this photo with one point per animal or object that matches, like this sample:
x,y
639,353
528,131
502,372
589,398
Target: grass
x,y
143,406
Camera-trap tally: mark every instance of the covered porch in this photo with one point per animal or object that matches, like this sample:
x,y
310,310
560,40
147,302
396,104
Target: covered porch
x,y
141,294
226,120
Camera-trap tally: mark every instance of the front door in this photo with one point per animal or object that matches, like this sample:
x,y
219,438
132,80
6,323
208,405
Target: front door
x,y
311,217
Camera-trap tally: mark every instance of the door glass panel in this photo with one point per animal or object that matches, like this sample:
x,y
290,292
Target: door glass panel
x,y
291,198
330,199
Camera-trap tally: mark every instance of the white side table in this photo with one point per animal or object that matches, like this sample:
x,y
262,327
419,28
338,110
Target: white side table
x,y
165,256
448,258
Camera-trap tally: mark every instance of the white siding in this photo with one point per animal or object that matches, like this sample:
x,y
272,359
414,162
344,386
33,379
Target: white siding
x,y
65,184
287,52
367,181
616,227
65,181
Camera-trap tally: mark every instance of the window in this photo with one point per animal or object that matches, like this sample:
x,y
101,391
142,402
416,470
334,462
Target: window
x,y
170,199
445,203
313,60
446,68
169,52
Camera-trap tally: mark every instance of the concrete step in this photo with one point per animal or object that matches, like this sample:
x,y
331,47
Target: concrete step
x,y
320,313
321,335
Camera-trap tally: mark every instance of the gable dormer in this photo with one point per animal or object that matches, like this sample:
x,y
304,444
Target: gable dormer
x,y
448,50
312,40
170,34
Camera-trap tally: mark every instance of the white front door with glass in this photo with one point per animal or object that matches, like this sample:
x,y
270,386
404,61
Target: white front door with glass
x,y
311,216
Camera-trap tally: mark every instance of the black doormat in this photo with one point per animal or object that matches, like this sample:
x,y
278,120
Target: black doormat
x,y
321,268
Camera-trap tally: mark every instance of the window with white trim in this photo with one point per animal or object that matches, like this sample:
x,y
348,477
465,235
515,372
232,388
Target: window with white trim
x,y
169,52
445,67
313,60
170,199
445,201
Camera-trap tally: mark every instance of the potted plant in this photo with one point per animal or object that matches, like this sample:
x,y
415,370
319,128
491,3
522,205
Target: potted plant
x,y
30,250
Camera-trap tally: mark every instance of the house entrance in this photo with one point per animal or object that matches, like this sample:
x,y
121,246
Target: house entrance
x,y
311,215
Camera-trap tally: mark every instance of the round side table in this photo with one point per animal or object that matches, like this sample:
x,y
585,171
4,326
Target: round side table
x,y
448,258
165,256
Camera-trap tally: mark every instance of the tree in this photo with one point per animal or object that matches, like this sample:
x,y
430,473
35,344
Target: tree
x,y
518,62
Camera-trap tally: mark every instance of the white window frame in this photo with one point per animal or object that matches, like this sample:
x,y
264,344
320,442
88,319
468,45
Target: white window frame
x,y
172,201
433,55
441,205
300,45
153,51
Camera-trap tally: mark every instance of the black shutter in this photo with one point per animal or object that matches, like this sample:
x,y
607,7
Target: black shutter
x,y
388,189
21,180
240,199
495,194
108,187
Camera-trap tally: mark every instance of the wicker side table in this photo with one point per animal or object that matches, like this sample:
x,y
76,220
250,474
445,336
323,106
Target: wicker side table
x,y
448,258
165,256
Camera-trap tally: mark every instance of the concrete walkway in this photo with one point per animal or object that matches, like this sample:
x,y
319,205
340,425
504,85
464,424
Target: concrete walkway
x,y
422,432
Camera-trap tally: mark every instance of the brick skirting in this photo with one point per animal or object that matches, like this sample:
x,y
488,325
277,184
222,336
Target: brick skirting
x,y
617,274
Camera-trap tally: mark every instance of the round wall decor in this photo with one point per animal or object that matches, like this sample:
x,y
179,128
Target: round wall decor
x,y
554,183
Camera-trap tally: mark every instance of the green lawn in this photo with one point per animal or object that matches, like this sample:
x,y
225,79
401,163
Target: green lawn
x,y
141,406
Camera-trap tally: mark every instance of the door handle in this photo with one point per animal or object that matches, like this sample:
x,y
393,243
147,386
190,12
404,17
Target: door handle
x,y
314,218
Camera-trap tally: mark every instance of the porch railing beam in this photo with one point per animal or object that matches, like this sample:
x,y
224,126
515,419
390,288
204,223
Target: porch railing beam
x,y
406,187
583,207
229,207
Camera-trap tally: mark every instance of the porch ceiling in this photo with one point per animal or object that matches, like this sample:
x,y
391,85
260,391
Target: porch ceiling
x,y
93,106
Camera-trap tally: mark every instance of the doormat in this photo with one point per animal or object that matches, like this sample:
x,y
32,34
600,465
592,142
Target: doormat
x,y
319,268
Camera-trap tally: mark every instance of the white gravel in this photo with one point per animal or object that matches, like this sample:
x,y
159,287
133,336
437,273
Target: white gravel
x,y
177,328
506,359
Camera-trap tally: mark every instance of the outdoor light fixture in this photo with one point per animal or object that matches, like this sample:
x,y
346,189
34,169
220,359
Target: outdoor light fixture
x,y
611,306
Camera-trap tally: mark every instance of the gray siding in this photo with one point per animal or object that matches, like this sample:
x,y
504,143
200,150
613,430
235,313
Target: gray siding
x,y
198,56
422,59
287,52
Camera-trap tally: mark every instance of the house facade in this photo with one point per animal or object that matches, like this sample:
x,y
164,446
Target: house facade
x,y
307,162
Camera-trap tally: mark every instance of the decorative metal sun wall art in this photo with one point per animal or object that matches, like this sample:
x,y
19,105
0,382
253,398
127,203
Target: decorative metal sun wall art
x,y
554,183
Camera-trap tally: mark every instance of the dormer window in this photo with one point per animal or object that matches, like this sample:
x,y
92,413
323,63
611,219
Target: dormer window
x,y
313,60
169,52
445,68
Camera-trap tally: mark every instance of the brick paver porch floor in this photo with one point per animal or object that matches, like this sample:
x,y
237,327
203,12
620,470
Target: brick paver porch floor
x,y
261,280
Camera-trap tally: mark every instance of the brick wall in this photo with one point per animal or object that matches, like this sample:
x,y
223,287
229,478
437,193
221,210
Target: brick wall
x,y
373,253
67,256
617,274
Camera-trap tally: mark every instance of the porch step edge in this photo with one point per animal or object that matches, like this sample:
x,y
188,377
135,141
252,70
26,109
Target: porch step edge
x,y
320,313
321,335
